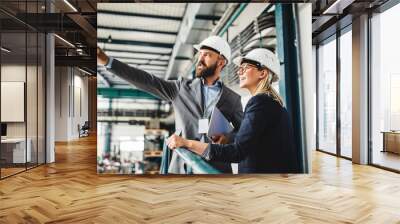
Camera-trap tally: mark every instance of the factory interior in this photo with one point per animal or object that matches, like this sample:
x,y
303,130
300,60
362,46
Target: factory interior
x,y
81,144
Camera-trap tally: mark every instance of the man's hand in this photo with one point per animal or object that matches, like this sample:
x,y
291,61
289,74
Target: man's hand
x,y
176,142
220,139
102,58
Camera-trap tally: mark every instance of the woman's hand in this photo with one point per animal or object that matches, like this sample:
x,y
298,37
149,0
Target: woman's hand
x,y
220,139
176,142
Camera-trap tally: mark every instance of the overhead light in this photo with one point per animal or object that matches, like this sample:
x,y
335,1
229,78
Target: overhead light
x,y
86,72
64,40
70,5
80,51
5,50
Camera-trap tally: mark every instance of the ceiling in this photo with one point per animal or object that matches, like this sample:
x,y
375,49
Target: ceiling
x,y
332,15
142,35
145,36
73,22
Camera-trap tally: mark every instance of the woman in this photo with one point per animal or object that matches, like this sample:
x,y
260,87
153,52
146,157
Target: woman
x,y
264,142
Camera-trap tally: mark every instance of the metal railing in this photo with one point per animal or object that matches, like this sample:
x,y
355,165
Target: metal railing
x,y
195,164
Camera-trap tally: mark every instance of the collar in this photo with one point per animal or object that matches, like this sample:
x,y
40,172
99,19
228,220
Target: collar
x,y
217,82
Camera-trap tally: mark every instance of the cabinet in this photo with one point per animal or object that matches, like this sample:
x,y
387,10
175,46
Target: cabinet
x,y
391,141
13,151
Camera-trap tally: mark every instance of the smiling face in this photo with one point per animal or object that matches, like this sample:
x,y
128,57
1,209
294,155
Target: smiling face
x,y
250,76
208,63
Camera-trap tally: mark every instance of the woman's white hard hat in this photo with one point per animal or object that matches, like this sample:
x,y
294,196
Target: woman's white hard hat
x,y
265,58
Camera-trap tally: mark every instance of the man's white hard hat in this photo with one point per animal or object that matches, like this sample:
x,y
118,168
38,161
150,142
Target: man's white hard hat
x,y
263,58
218,44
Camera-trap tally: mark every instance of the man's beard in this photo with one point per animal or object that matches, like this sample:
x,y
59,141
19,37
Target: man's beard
x,y
206,71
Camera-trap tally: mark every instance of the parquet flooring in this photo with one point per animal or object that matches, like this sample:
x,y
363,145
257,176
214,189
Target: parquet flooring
x,y
10,171
70,191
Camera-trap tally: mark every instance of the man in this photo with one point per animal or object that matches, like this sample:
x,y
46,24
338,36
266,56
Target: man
x,y
193,100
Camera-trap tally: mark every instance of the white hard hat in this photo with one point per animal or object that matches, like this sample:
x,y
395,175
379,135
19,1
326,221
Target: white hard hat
x,y
218,44
263,58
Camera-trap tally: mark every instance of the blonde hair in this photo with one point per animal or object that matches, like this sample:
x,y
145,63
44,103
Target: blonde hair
x,y
264,86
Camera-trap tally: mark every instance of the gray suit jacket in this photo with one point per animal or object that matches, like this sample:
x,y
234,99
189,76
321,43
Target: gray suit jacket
x,y
186,98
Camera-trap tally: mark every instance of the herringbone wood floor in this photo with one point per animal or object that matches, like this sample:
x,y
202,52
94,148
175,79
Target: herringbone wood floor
x,y
70,191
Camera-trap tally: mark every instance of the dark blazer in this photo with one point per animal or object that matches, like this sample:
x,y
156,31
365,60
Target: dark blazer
x,y
264,143
186,98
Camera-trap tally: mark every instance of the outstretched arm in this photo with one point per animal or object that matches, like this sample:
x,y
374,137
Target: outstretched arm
x,y
164,89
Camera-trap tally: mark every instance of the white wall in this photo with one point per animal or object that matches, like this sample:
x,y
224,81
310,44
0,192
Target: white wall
x,y
12,73
62,98
16,73
33,126
71,102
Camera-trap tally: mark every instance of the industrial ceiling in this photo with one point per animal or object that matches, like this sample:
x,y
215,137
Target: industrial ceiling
x,y
149,36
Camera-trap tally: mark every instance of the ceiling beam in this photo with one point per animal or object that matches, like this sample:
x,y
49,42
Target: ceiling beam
x,y
320,22
87,70
330,30
144,61
124,93
21,21
183,58
138,55
108,12
136,30
51,22
139,43
134,52
91,6
337,7
86,26
207,17
183,34
150,59
85,61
